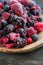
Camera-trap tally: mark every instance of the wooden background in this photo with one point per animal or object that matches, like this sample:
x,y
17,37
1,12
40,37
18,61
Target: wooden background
x,y
31,58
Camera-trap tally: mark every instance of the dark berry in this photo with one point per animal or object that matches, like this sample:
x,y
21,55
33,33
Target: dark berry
x,y
6,7
22,32
1,26
30,23
35,37
1,11
9,28
19,42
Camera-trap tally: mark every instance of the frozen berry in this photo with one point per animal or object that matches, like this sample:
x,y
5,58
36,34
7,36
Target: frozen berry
x,y
17,8
1,5
19,42
29,40
13,36
31,31
30,23
5,15
38,26
35,37
22,32
9,45
5,40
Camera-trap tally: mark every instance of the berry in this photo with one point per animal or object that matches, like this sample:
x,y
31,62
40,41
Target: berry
x,y
1,26
38,26
1,12
29,40
1,5
6,7
9,28
19,42
17,8
31,31
30,23
5,15
22,32
13,36
9,45
35,37
5,40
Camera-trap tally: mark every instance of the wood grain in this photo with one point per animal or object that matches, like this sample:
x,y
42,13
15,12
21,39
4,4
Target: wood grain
x,y
27,48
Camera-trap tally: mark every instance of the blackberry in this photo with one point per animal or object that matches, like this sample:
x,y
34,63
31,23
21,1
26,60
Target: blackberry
x,y
22,32
1,26
19,43
30,23
20,22
35,37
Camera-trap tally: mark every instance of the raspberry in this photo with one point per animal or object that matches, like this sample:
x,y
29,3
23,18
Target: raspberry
x,y
13,36
1,5
31,31
9,45
29,40
5,40
5,15
33,8
17,8
24,2
38,26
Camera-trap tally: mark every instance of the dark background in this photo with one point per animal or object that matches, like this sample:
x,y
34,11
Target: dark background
x,y
30,58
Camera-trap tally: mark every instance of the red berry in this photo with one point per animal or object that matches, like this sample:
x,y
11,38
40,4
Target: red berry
x,y
1,5
14,36
5,15
9,45
38,26
31,31
17,8
29,40
16,27
5,40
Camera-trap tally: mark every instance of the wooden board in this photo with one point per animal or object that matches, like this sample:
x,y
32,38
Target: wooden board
x,y
27,48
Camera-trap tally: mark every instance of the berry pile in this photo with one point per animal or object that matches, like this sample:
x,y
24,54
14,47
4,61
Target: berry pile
x,y
20,23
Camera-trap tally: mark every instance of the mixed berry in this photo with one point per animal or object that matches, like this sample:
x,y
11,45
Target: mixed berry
x,y
20,23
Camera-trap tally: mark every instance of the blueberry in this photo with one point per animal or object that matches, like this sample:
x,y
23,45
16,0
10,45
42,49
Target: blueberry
x,y
4,2
6,7
30,23
9,28
35,37
19,42
39,19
